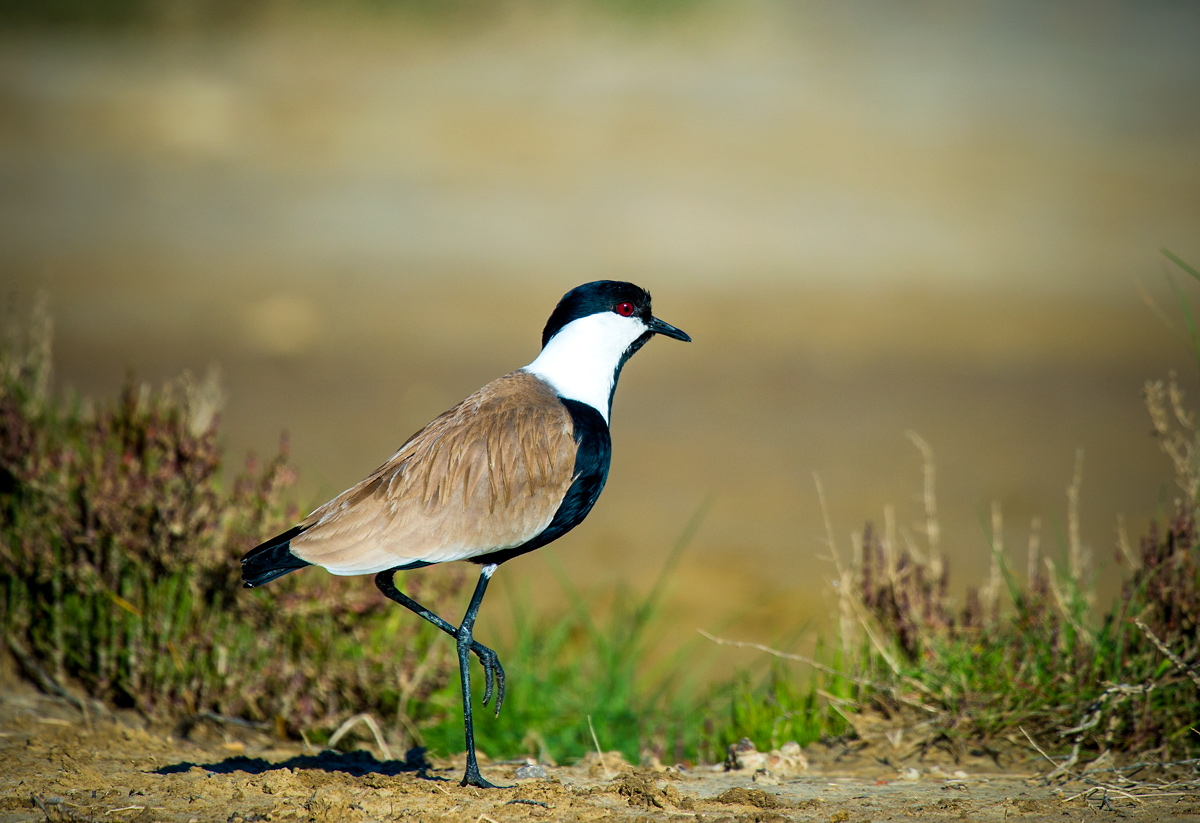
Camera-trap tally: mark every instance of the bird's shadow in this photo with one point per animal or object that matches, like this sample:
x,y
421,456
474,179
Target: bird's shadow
x,y
356,764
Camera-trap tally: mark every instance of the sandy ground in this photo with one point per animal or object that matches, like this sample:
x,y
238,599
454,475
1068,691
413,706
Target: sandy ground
x,y
61,766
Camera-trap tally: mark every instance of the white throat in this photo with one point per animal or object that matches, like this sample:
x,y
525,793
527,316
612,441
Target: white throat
x,y
580,361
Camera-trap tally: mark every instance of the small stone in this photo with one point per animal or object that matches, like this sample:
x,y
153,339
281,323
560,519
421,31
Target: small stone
x,y
533,772
743,755
765,777
786,761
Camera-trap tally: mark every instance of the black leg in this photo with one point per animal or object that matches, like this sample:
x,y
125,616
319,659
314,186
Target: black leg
x,y
465,646
492,670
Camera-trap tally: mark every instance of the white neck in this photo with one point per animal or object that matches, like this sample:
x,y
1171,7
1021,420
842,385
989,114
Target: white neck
x,y
580,362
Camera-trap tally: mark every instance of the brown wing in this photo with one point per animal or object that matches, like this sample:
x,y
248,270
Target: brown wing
x,y
488,474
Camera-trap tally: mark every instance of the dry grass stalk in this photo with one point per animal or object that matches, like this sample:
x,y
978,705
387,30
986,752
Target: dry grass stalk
x,y
370,723
816,664
890,556
1126,555
26,354
410,682
1077,558
989,595
1059,768
1066,610
1033,565
799,658
599,753
1190,671
1178,440
845,581
202,400
933,529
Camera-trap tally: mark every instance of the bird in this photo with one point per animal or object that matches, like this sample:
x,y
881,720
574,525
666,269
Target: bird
x,y
511,468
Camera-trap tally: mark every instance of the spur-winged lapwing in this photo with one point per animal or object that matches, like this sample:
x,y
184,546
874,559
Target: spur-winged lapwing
x,y
516,465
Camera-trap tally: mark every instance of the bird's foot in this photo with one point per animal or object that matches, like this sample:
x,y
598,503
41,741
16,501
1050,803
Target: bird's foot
x,y
474,778
492,671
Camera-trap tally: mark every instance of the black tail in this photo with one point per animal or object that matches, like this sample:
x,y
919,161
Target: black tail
x,y
272,559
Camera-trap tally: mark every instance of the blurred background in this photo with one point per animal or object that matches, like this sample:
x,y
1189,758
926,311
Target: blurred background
x,y
944,218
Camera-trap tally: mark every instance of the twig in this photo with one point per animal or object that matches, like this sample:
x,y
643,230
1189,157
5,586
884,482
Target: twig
x,y
1065,768
720,641
1042,752
1104,805
43,679
1133,767
827,669
371,724
1170,655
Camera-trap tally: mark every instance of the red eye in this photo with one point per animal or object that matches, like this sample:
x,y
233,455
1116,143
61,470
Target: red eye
x,y
624,309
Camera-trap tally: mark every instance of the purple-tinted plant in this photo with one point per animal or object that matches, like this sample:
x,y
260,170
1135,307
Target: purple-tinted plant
x,y
119,549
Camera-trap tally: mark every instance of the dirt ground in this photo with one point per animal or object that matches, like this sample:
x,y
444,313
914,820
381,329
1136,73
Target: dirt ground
x,y
58,765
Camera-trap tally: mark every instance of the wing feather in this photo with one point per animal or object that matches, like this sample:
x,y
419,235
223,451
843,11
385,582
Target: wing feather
x,y
488,474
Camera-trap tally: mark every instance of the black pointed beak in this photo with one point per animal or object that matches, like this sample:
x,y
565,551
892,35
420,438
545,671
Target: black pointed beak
x,y
659,327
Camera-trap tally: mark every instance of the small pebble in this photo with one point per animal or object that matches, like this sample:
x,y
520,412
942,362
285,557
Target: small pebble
x,y
532,773
764,777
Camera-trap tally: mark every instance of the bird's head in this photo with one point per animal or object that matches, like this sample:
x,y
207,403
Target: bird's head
x,y
609,309
592,331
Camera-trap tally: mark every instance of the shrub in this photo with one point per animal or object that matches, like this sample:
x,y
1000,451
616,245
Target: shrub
x,y
119,549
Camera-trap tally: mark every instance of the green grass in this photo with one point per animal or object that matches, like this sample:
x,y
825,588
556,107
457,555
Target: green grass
x,y
1032,656
784,705
564,669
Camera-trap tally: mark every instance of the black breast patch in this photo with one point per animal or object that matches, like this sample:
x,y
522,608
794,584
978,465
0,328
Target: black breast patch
x,y
592,458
